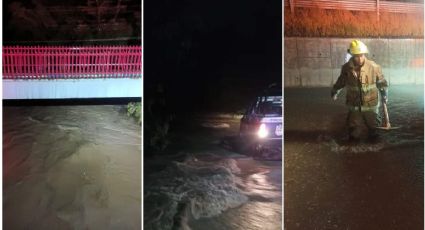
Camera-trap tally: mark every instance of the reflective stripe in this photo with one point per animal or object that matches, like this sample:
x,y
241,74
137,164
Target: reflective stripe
x,y
364,87
363,108
369,87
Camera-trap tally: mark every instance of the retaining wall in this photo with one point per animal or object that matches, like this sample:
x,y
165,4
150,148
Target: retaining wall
x,y
316,62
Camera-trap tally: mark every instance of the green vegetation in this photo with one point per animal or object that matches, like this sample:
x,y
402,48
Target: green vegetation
x,y
309,22
134,109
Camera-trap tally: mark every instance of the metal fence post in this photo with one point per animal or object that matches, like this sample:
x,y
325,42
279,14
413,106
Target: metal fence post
x,y
377,9
291,4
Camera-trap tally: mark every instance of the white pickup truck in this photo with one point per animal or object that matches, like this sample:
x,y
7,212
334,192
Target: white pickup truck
x,y
261,130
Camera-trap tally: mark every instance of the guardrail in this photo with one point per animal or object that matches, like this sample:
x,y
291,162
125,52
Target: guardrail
x,y
60,62
358,5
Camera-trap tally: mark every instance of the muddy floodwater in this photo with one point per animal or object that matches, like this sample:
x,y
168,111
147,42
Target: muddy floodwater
x,y
71,167
331,184
202,183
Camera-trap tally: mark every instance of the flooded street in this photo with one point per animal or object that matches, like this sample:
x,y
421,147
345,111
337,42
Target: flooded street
x,y
71,167
261,183
204,183
332,185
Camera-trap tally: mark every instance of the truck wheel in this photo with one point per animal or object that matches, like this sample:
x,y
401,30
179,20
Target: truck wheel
x,y
244,146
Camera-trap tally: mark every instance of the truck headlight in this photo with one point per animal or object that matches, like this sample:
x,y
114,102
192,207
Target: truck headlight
x,y
262,131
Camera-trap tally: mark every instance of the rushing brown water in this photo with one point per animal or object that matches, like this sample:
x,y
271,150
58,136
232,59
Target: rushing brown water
x,y
71,167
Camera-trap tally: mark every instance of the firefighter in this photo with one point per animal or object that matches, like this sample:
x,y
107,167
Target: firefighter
x,y
364,83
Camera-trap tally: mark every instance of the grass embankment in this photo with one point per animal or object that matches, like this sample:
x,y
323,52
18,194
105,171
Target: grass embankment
x,y
134,109
309,22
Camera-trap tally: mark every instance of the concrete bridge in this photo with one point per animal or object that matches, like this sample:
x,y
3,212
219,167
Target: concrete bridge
x,y
59,72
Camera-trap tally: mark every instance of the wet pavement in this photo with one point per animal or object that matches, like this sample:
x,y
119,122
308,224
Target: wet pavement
x,y
71,167
329,184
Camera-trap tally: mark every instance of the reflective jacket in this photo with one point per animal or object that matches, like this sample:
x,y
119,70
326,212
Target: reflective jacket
x,y
361,90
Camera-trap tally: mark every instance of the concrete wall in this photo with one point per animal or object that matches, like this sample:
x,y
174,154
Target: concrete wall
x,y
316,62
72,88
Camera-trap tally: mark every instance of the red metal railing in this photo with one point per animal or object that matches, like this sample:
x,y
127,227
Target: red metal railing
x,y
47,62
359,5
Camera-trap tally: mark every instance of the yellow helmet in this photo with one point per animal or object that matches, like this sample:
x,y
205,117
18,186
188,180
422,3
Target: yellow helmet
x,y
358,47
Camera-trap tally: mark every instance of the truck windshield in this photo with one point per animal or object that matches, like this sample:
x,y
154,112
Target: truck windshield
x,y
269,108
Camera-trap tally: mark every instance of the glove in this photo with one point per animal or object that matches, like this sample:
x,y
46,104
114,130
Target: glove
x,y
384,95
385,99
334,94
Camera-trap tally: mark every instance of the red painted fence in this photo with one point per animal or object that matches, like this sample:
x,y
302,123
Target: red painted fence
x,y
60,62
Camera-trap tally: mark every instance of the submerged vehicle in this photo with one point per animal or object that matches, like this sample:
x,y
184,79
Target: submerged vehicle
x,y
261,129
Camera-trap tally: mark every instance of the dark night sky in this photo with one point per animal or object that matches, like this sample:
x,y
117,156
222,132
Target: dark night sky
x,y
192,46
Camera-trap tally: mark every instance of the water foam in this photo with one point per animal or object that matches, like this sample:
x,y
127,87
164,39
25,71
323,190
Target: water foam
x,y
193,188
